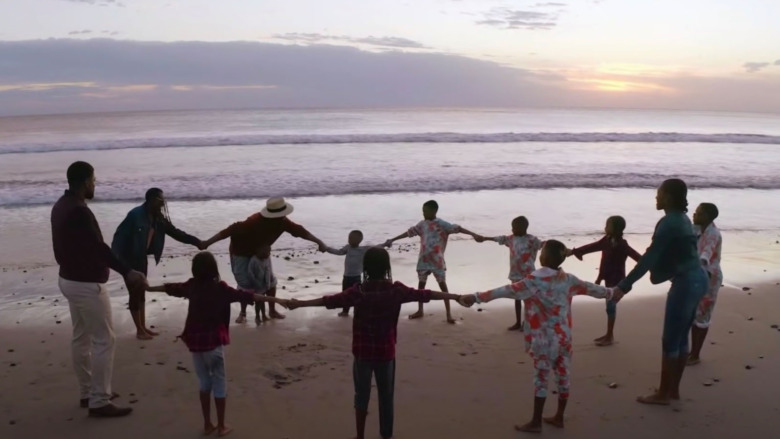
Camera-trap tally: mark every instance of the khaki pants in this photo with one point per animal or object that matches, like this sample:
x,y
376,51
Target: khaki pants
x,y
93,339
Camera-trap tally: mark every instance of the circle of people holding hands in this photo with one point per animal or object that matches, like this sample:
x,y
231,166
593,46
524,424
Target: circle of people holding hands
x,y
685,253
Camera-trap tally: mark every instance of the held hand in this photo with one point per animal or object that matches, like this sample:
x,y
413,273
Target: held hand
x,y
284,303
322,247
467,300
293,304
479,238
568,252
617,294
388,243
202,245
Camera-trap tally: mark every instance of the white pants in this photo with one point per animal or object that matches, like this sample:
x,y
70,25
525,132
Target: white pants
x,y
93,339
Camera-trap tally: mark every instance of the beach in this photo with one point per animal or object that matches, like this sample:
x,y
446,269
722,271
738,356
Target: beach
x,y
372,171
292,378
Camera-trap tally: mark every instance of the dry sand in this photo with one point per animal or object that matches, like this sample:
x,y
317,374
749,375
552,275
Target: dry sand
x,y
292,378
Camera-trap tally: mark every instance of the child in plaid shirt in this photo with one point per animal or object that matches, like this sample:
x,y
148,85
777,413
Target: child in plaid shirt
x,y
206,331
377,301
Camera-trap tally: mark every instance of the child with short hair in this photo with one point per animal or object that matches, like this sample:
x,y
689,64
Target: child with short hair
x,y
206,331
353,262
547,293
522,258
709,246
434,233
263,281
615,250
377,301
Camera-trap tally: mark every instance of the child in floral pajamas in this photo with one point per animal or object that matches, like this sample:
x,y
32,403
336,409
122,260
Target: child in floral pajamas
x,y
522,259
433,233
547,293
709,246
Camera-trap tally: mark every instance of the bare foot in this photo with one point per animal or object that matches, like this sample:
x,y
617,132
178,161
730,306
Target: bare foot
x,y
208,429
258,321
692,361
554,421
654,399
143,336
150,332
450,320
241,318
515,327
607,341
530,427
276,315
417,315
600,338
343,314
224,431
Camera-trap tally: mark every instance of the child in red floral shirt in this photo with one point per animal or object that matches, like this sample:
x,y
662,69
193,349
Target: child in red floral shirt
x,y
206,331
377,303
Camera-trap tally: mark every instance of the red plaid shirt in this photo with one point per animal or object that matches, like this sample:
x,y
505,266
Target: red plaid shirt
x,y
208,316
377,306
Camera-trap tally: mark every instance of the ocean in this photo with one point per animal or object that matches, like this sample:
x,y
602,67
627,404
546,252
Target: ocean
x,y
566,170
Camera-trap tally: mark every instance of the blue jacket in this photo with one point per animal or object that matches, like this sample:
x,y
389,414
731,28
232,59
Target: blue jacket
x,y
131,236
672,251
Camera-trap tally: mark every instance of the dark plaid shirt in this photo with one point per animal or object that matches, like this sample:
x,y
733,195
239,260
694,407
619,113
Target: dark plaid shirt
x,y
613,258
377,306
208,316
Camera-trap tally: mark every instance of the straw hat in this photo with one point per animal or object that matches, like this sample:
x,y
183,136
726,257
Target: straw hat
x,y
276,208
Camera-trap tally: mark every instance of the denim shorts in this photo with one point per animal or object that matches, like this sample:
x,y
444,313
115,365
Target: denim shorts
x,y
240,267
681,303
210,368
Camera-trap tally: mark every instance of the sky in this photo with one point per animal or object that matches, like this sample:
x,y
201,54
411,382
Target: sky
x,y
60,56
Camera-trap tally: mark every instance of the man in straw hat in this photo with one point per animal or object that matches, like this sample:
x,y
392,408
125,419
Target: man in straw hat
x,y
262,228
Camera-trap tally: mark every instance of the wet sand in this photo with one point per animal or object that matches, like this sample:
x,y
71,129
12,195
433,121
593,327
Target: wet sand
x,y
292,378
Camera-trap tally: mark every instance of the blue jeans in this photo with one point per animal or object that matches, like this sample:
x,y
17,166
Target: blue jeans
x,y
210,368
384,371
681,303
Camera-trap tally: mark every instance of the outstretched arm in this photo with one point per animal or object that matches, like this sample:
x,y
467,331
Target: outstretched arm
x,y
295,303
401,236
156,289
336,251
579,252
661,240
476,236
180,235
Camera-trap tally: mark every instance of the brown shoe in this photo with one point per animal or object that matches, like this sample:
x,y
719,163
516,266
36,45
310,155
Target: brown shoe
x,y
110,411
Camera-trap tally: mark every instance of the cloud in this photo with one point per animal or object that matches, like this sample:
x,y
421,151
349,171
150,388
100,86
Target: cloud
x,y
777,63
96,75
550,5
80,32
314,38
753,67
110,33
110,75
98,2
505,18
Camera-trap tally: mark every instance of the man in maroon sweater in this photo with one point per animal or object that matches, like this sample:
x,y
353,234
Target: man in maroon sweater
x,y
85,261
262,228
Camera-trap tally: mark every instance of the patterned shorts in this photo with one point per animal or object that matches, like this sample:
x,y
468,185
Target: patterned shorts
x,y
439,274
707,303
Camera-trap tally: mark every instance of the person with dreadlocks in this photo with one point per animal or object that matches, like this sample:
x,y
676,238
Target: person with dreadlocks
x,y
142,233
